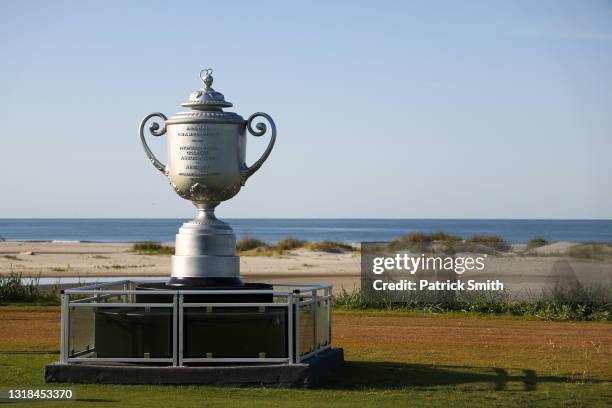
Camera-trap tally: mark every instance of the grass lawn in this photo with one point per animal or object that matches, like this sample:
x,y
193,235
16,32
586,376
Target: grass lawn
x,y
393,359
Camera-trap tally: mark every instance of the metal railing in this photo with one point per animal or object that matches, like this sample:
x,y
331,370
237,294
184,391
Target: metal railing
x,y
306,327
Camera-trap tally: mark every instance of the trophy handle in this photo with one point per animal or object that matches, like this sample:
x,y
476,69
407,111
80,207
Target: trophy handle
x,y
155,131
247,171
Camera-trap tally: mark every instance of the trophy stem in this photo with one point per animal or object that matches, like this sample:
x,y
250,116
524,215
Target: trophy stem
x,y
206,212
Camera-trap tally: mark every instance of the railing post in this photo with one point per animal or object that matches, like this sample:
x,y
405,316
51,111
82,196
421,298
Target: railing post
x,y
175,329
290,337
64,320
314,305
180,329
298,357
329,314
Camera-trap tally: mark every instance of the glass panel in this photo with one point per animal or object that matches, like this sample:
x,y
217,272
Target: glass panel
x,y
238,332
128,332
80,332
323,323
306,328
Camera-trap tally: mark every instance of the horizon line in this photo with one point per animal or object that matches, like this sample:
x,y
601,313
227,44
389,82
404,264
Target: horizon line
x,y
314,218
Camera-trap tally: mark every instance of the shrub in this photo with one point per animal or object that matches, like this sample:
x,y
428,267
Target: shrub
x,y
250,243
493,241
536,242
290,243
442,236
419,241
12,289
410,241
330,246
486,239
416,237
151,247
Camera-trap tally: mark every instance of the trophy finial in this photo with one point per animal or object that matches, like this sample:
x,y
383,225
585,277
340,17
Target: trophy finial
x,y
206,98
206,77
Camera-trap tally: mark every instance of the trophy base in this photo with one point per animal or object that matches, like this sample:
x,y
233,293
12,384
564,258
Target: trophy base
x,y
205,252
242,292
205,282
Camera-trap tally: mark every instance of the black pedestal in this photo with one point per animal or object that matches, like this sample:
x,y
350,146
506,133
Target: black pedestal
x,y
309,373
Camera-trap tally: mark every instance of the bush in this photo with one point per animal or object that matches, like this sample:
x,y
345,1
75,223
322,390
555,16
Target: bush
x,y
419,241
330,246
442,236
151,247
250,243
536,242
493,241
12,289
486,239
416,237
290,243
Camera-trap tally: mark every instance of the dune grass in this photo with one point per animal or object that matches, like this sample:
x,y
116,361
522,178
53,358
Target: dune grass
x,y
420,241
334,247
536,242
599,252
152,248
249,246
250,243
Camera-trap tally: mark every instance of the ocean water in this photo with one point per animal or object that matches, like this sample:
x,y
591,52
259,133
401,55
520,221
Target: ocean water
x,y
272,230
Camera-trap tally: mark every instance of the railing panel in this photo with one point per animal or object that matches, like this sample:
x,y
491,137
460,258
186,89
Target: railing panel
x,y
134,332
306,330
323,323
235,332
81,331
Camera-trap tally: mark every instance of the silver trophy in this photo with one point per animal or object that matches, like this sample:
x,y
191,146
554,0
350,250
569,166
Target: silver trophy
x,y
206,165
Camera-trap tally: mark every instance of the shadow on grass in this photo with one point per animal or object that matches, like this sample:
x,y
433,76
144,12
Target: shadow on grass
x,y
355,375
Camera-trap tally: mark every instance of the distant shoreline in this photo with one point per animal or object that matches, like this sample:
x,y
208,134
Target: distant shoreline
x,y
127,230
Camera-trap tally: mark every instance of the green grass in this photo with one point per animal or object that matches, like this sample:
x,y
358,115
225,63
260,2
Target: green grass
x,y
363,383
151,247
376,376
587,304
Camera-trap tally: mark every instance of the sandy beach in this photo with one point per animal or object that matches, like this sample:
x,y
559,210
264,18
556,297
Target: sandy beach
x,y
532,270
69,259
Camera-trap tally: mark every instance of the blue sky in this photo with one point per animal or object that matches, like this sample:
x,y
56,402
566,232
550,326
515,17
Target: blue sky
x,y
415,109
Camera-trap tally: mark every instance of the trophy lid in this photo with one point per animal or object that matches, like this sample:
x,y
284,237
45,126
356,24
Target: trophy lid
x,y
206,98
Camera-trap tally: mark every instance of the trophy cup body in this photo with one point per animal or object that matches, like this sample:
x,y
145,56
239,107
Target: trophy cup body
x,y
206,165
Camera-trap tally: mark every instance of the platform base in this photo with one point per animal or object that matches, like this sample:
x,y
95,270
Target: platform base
x,y
309,373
